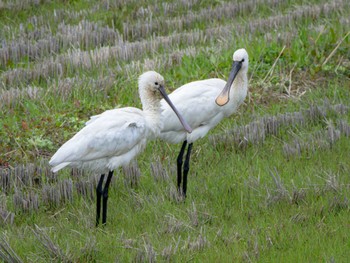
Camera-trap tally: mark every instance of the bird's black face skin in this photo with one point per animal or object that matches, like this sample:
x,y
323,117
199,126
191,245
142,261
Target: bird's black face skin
x,y
224,96
181,119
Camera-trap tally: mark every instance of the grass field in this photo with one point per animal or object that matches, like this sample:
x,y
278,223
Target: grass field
x,y
269,184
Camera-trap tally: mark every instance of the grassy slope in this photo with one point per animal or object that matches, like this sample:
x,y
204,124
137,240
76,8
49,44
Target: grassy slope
x,y
235,210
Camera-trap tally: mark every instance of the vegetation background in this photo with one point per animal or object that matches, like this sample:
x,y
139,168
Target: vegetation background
x,y
269,184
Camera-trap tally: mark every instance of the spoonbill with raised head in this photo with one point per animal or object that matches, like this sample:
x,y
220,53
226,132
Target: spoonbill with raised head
x,y
115,137
203,104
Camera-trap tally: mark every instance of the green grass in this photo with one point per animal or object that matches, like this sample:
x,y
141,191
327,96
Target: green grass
x,y
246,203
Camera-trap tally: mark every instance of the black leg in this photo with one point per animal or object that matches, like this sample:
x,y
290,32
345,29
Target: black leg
x,y
179,165
105,197
186,169
98,198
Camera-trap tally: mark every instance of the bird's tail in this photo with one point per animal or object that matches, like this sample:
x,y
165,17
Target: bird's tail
x,y
59,167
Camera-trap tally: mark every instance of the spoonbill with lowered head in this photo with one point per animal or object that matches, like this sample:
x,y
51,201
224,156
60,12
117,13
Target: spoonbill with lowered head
x,y
113,138
197,104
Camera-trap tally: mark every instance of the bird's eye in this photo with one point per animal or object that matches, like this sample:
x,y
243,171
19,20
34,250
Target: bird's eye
x,y
242,60
156,83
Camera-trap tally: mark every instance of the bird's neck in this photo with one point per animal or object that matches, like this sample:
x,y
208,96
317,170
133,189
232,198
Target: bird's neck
x,y
153,117
239,91
152,109
239,86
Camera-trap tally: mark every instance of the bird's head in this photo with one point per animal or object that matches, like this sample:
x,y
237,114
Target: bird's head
x,y
239,66
151,89
241,56
151,82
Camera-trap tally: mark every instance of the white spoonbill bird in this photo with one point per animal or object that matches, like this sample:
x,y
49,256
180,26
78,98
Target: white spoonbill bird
x,y
203,104
113,138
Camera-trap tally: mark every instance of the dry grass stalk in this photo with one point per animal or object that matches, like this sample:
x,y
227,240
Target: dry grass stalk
x,y
311,143
256,132
332,182
150,24
174,225
6,217
149,251
132,175
76,59
51,195
344,127
7,254
194,215
89,251
274,64
298,196
292,149
65,87
333,135
279,193
170,250
301,12
127,242
167,253
86,189
197,244
11,97
50,176
85,35
40,71
299,218
76,173
126,51
158,172
66,190
315,113
28,202
337,204
146,253
174,195
137,201
48,244
335,49
68,14
341,108
252,246
19,4
5,180
23,175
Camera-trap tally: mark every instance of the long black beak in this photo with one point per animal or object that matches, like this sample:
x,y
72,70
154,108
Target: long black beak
x,y
224,96
181,119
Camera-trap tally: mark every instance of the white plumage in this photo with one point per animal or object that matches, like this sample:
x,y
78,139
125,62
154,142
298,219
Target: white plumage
x,y
115,137
108,142
204,104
